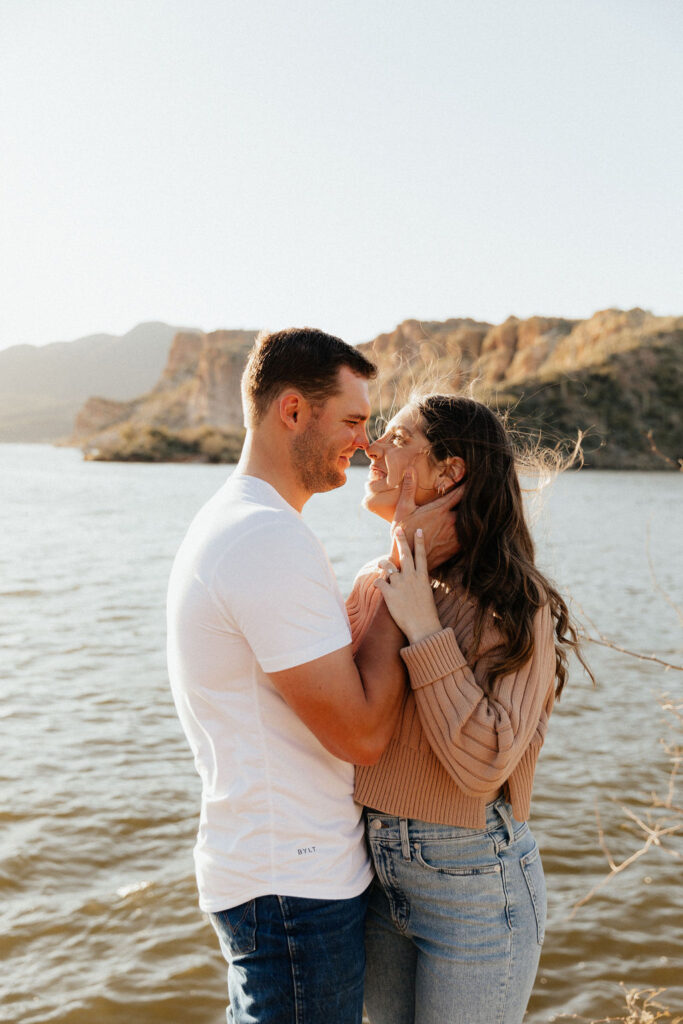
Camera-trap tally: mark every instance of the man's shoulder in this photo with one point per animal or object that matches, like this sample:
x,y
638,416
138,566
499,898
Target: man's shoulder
x,y
244,506
246,523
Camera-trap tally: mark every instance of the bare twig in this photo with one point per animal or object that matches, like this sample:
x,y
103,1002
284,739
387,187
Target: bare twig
x,y
641,1006
654,836
601,640
651,832
674,754
676,463
604,642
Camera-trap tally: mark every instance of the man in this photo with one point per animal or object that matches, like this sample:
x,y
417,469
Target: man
x,y
274,706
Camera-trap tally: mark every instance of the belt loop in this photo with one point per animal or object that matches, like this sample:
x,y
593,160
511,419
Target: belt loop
x,y
405,840
502,809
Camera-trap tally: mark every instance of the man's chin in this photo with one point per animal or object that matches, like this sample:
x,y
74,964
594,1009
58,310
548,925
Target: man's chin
x,y
332,482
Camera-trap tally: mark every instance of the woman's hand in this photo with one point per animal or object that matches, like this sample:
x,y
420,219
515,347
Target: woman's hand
x,y
436,520
408,591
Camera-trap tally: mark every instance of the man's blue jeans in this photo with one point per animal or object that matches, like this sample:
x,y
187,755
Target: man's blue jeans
x,y
293,960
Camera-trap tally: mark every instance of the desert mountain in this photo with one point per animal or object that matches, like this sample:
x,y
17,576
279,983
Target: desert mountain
x,y
199,388
616,375
43,387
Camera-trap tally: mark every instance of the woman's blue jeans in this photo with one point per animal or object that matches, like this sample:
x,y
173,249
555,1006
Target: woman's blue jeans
x,y
455,922
293,960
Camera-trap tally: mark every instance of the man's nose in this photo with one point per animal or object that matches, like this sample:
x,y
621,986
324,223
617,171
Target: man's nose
x,y
362,437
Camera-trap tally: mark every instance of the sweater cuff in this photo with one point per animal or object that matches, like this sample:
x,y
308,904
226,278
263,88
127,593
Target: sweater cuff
x,y
433,658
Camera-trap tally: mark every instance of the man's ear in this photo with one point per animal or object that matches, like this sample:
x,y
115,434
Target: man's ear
x,y
451,472
291,407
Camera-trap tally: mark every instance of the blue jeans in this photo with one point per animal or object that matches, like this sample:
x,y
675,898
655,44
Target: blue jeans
x,y
293,960
455,921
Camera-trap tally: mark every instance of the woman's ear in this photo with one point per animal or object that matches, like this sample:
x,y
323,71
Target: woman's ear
x,y
451,472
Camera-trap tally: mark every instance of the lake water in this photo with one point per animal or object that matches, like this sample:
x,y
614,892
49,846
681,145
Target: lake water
x,y
98,794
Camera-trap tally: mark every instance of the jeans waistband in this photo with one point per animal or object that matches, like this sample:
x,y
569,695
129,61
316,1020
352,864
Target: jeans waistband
x,y
498,812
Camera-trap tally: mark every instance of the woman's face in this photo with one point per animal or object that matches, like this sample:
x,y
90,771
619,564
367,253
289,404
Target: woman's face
x,y
402,444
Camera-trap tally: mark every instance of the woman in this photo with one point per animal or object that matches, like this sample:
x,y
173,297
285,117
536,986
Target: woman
x,y
457,913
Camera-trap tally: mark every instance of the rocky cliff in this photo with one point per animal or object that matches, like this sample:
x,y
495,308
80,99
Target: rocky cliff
x,y
199,388
616,376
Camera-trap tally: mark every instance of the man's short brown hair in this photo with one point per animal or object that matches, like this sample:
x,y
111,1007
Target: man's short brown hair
x,y
300,357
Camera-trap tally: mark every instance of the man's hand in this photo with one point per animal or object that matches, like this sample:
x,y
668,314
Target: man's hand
x,y
436,520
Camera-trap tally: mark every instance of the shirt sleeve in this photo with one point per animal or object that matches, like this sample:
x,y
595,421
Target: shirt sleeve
x,y
479,737
277,588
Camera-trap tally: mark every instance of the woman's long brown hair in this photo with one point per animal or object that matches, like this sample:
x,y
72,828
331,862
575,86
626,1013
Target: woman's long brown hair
x,y
496,557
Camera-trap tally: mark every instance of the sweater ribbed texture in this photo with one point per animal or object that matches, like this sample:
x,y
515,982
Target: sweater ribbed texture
x,y
456,746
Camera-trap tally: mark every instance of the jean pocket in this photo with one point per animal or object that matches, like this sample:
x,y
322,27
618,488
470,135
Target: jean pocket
x,y
453,858
236,927
532,869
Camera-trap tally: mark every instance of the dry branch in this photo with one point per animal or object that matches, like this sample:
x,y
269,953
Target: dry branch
x,y
604,642
676,463
651,832
641,1006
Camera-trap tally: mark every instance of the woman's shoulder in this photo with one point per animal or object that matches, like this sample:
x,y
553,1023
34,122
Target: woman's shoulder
x,y
362,589
362,601
459,609
543,624
455,603
367,574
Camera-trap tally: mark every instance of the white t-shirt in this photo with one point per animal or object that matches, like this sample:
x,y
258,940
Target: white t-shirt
x,y
252,591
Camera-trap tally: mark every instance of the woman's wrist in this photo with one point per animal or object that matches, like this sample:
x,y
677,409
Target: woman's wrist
x,y
422,628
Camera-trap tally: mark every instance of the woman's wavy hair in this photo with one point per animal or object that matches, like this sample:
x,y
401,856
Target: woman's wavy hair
x,y
496,557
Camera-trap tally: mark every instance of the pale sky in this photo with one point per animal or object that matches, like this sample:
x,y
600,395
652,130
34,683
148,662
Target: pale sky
x,y
253,163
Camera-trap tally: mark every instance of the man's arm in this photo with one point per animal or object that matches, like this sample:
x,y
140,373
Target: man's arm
x,y
351,706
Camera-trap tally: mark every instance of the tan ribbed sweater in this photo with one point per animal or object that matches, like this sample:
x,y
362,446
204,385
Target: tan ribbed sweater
x,y
455,747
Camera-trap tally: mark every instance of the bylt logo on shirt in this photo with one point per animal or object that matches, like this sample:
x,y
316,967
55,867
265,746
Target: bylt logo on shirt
x,y
304,851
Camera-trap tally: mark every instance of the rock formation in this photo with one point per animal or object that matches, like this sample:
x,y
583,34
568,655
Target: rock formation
x,y
616,376
200,386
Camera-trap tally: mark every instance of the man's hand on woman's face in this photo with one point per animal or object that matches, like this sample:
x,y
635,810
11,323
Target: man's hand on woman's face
x,y
436,520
